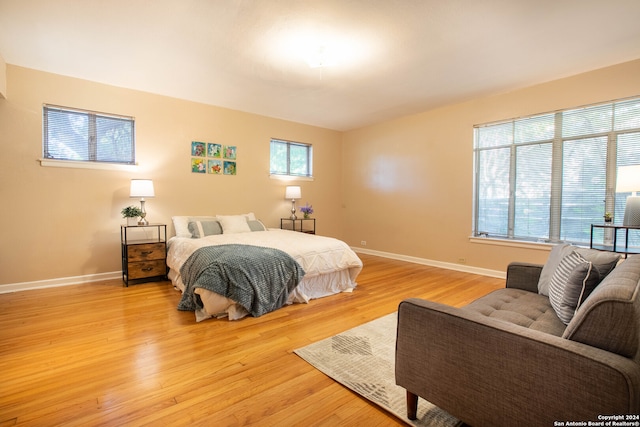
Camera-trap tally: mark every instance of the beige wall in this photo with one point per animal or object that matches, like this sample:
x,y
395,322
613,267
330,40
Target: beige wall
x,y
405,186
60,222
408,183
3,78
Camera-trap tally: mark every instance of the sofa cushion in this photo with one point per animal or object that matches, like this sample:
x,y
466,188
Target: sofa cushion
x,y
519,307
572,282
610,318
605,262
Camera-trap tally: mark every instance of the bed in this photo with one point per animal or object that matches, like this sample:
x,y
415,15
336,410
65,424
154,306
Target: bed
x,y
328,265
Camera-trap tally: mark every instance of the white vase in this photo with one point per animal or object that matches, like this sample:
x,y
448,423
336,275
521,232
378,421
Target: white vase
x,y
132,221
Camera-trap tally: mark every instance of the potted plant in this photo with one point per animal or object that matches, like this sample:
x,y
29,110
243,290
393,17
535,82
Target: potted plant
x,y
307,210
131,213
608,217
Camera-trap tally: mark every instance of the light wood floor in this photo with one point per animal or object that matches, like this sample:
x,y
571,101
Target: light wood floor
x,y
102,354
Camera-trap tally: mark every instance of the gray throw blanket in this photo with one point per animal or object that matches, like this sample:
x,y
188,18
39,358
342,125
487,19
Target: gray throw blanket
x,y
259,279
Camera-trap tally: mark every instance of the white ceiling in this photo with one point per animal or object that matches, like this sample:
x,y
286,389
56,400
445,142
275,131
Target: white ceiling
x,y
394,57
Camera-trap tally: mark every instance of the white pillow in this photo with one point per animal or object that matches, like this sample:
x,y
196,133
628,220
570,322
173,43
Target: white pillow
x,y
234,224
181,223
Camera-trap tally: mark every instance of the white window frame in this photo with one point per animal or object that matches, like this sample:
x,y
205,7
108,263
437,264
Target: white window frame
x,y
609,203
92,161
289,174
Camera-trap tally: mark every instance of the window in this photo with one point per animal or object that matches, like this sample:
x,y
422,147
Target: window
x,y
550,176
291,158
70,134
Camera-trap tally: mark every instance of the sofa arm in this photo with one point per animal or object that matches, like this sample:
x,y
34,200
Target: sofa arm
x,y
485,371
522,275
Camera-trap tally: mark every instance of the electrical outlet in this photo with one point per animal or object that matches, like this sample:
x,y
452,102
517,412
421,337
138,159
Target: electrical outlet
x,y
363,243
462,260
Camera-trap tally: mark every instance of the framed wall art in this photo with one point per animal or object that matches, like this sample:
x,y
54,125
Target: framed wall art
x,y
214,150
198,148
207,158
214,167
198,165
230,152
229,168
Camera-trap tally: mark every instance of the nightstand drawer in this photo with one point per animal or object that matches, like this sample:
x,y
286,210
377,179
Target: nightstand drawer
x,y
148,251
140,270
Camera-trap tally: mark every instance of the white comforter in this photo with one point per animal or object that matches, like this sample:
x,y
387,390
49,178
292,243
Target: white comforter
x,y
330,265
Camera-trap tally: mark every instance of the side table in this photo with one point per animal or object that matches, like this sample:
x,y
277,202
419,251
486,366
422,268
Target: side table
x,y
304,225
614,245
143,257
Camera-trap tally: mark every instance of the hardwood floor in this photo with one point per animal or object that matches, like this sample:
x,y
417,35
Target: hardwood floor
x,y
103,354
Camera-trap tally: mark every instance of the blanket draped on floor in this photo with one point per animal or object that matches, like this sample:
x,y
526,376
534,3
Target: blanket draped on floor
x,y
259,279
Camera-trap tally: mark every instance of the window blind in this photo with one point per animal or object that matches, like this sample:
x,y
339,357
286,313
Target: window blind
x,y
550,176
71,134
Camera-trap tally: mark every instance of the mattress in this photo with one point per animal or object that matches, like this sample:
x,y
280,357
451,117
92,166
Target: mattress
x,y
330,266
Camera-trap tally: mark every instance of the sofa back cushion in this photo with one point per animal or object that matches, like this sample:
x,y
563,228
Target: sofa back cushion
x,y
610,318
605,262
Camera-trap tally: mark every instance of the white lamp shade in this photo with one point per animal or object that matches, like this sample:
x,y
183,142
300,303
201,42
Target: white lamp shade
x,y
628,179
141,188
293,192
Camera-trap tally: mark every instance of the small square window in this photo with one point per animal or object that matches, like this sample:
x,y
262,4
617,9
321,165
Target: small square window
x,y
291,158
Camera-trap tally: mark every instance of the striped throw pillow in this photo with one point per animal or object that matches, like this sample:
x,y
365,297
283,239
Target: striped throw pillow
x,y
572,282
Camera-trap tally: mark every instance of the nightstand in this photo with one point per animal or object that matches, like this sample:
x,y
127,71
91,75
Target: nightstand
x,y
305,225
144,252
607,240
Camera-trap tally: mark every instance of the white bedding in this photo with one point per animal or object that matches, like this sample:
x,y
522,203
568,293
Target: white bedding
x,y
330,266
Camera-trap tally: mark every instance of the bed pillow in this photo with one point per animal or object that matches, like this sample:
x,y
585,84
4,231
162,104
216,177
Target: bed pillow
x,y
204,228
256,225
181,223
232,224
573,281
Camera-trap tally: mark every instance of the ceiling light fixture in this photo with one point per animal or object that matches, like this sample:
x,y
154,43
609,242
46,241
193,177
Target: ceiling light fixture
x,y
321,57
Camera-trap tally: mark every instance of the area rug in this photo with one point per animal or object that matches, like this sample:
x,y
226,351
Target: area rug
x,y
363,359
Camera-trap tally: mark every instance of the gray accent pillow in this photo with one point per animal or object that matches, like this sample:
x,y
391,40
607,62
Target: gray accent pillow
x,y
573,281
604,261
204,228
256,225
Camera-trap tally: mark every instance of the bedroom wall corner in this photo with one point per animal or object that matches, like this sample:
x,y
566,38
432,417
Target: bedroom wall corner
x,y
3,78
411,191
65,222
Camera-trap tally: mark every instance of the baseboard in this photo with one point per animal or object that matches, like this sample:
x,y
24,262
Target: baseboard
x,y
63,281
432,263
76,280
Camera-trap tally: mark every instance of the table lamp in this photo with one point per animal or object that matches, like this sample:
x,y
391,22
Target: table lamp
x,y
293,192
142,188
629,181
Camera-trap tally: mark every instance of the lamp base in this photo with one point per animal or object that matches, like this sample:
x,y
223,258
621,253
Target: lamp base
x,y
293,210
143,215
632,212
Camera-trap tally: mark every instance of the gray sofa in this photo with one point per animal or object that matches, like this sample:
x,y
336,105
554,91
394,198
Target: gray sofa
x,y
507,359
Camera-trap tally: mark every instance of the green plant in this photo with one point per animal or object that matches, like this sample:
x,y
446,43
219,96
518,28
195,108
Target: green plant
x,y
131,212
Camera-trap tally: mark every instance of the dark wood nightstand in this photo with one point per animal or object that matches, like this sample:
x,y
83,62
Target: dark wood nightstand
x,y
144,256
305,225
